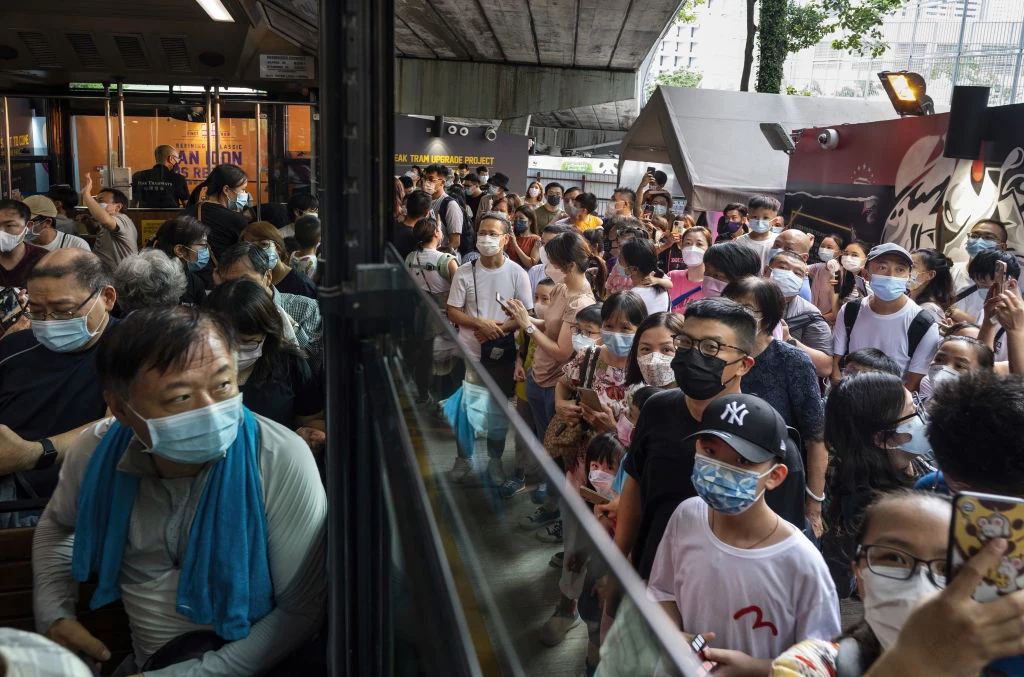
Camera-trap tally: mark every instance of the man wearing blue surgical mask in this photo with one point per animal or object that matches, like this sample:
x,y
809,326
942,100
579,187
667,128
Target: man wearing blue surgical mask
x,y
803,325
218,513
48,379
889,320
968,298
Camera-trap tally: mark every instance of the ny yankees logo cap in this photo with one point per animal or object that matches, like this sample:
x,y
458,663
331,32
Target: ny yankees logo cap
x,y
748,424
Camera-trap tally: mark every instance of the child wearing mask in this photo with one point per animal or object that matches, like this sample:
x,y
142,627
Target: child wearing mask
x,y
728,566
307,235
762,213
900,558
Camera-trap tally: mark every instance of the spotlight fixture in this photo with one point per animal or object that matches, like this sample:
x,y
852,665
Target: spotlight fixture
x,y
907,92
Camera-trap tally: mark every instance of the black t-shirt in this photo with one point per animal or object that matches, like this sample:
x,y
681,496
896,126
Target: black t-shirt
x,y
292,393
402,238
671,259
159,188
297,283
45,393
662,463
474,202
225,224
195,289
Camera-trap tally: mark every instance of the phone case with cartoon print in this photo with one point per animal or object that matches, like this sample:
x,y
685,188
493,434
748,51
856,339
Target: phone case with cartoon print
x,y
977,519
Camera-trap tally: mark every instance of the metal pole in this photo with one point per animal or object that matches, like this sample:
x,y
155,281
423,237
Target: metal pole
x,y
259,165
959,48
913,36
1016,68
106,113
209,131
7,151
314,140
216,113
121,145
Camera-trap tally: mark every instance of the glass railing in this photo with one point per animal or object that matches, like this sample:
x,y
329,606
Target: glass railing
x,y
504,569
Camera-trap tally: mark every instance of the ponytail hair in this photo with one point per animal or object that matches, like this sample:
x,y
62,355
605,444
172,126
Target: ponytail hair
x,y
423,232
221,176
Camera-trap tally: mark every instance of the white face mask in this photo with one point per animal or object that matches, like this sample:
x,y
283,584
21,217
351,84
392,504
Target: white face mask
x,y
543,255
693,256
581,342
557,276
533,192
888,601
248,355
488,245
539,309
854,264
940,373
826,254
8,242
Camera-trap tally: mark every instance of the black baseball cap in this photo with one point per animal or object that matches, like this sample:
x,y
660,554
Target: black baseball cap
x,y
748,424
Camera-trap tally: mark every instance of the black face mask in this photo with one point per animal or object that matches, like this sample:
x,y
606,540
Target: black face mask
x,y
698,375
554,200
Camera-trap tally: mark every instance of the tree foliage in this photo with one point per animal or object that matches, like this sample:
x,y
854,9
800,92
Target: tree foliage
x,y
686,15
680,77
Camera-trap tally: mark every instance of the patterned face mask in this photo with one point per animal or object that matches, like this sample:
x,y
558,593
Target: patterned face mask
x,y
725,488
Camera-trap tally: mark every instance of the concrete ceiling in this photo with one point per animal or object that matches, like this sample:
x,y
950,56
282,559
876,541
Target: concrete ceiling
x,y
616,116
611,34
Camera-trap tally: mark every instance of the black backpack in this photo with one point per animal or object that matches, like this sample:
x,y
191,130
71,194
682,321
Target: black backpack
x,y
467,240
918,327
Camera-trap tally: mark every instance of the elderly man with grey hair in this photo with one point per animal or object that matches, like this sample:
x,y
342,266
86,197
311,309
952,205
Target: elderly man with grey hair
x,y
147,280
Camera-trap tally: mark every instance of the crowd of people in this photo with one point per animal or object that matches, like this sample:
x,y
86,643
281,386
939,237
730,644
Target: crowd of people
x,y
754,404
167,398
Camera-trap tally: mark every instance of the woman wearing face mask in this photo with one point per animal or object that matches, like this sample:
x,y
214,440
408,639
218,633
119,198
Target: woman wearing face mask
x,y
726,262
900,557
686,284
222,208
524,248
956,356
824,275
931,282
849,284
640,259
183,239
650,359
534,194
784,376
273,375
284,277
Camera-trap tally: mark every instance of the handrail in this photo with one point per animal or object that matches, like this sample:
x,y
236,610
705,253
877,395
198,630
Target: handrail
x,y
665,632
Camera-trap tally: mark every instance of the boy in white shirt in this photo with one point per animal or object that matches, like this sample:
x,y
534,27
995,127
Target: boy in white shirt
x,y
729,567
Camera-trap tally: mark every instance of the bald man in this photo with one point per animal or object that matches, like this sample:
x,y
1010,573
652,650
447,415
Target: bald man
x,y
49,386
798,242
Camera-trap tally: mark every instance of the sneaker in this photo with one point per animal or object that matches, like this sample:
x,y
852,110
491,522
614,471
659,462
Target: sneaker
x,y
512,487
557,626
539,496
540,517
556,560
496,471
462,469
553,534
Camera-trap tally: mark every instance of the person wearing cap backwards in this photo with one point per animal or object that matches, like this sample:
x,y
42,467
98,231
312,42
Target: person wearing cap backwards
x,y
889,320
728,566
42,230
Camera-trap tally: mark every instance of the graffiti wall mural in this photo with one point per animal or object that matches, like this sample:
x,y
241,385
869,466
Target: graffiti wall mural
x,y
888,182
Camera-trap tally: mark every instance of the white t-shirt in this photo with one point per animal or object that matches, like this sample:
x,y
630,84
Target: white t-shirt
x,y
656,299
760,601
509,280
65,241
888,333
761,247
425,273
972,304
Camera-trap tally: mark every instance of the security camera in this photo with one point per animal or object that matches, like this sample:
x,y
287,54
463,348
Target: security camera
x,y
490,134
464,131
828,139
452,130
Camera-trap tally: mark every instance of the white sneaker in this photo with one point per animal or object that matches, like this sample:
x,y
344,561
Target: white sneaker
x,y
557,626
462,469
496,472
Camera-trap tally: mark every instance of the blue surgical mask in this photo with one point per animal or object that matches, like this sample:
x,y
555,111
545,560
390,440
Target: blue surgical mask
x,y
197,436
240,202
759,225
788,281
65,336
826,254
618,344
977,245
660,210
272,255
772,252
725,488
776,229
202,261
888,288
918,444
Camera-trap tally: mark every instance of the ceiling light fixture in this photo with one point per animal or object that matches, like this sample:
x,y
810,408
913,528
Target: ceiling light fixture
x,y
216,10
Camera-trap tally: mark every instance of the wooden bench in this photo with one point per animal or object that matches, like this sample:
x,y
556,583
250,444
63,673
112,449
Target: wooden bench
x,y
109,624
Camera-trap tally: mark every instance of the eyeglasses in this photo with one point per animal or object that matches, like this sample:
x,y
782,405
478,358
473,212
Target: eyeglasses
x,y
899,565
757,313
991,237
579,331
58,314
708,347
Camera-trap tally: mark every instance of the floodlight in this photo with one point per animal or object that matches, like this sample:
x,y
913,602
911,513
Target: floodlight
x,y
777,136
906,91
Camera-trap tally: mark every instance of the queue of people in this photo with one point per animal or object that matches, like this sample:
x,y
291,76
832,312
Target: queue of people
x,y
167,398
757,404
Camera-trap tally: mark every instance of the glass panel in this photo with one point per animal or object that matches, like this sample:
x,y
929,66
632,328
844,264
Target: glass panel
x,y
509,579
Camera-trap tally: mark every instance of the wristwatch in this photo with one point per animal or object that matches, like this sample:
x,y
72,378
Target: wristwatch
x,y
530,330
791,341
49,456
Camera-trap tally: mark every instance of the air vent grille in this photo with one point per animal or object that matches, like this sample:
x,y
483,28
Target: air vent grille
x,y
176,50
133,52
39,47
85,50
